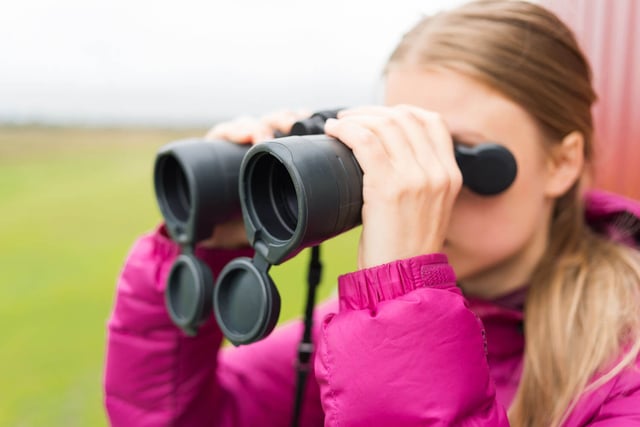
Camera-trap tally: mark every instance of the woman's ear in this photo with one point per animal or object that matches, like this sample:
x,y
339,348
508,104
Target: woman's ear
x,y
565,164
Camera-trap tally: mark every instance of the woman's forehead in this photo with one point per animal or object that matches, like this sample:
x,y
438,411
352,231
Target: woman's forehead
x,y
444,91
470,108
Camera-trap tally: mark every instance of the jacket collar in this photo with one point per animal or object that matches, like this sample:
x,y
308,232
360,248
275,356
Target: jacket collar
x,y
615,216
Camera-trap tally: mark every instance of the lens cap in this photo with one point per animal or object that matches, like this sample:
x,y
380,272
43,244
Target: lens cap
x,y
246,302
188,293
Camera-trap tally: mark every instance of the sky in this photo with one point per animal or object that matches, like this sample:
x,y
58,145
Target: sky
x,y
194,61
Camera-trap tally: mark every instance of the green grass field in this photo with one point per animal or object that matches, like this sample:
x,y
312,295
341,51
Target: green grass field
x,y
71,203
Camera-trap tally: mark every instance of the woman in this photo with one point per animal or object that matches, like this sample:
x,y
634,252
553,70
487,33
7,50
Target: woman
x,y
518,309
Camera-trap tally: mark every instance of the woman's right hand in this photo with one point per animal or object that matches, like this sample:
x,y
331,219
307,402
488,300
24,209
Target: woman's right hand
x,y
246,130
410,179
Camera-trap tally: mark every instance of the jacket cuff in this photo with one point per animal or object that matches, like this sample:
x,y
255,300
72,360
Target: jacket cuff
x,y
366,288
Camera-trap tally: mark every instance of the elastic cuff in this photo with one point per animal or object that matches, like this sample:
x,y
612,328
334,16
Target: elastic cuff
x,y
366,288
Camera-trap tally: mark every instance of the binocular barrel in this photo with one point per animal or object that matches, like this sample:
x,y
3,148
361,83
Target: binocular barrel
x,y
293,192
196,181
301,190
297,192
196,184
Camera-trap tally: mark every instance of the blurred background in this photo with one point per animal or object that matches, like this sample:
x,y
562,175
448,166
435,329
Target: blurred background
x,y
89,90
194,62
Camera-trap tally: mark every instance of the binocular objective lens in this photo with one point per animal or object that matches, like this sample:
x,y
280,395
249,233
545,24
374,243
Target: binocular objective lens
x,y
176,187
283,195
275,198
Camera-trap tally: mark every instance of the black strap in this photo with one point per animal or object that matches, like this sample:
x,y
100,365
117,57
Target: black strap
x,y
305,348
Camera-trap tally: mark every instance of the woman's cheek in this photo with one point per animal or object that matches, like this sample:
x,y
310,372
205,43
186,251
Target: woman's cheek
x,y
484,232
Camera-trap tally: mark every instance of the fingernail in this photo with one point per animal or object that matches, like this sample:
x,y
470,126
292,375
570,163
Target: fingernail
x,y
330,122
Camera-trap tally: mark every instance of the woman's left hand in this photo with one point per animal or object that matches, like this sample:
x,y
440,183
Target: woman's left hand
x,y
410,182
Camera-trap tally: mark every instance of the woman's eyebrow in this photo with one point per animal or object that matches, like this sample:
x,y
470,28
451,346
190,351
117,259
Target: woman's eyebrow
x,y
468,136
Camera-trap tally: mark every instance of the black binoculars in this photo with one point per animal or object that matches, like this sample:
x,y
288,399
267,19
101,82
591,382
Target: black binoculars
x,y
293,192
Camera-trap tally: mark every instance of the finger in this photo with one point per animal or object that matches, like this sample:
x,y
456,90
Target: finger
x,y
389,135
418,149
419,139
284,120
243,130
365,109
416,133
241,135
261,133
364,144
410,121
437,130
440,137
239,130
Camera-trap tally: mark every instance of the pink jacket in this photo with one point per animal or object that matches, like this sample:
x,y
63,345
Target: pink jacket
x,y
400,346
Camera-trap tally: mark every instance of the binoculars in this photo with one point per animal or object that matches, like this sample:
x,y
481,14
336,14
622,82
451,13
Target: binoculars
x,y
292,192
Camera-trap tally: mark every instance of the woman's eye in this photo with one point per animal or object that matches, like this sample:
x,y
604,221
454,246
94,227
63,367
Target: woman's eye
x,y
462,142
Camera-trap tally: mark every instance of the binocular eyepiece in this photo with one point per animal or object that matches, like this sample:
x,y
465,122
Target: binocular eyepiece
x,y
293,192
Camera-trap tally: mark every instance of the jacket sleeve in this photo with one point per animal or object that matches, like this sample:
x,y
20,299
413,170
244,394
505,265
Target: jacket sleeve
x,y
623,410
615,403
157,376
404,349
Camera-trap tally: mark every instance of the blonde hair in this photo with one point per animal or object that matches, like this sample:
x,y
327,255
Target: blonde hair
x,y
582,322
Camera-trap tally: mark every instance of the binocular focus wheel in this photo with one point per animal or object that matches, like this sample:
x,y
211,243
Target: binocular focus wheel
x,y
188,293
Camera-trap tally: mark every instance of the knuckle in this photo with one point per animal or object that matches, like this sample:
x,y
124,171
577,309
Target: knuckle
x,y
396,111
438,120
391,194
368,137
418,115
404,110
440,182
411,184
418,182
400,116
456,179
407,108
386,120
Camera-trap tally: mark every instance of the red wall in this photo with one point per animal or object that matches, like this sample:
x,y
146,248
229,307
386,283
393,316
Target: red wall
x,y
609,33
